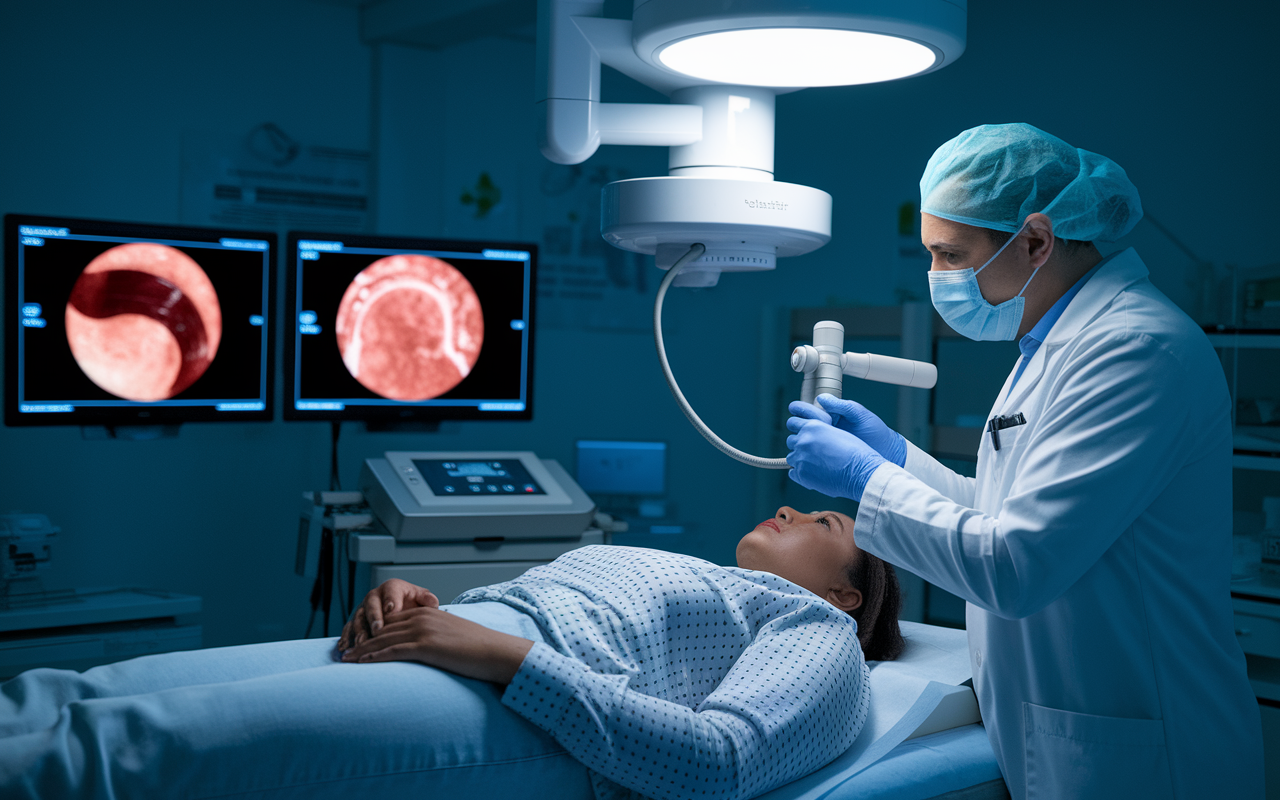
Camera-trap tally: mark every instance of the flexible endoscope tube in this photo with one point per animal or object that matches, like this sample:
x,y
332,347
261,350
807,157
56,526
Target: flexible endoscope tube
x,y
724,447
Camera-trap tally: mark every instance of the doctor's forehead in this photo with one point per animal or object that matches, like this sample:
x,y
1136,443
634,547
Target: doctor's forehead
x,y
946,233
944,246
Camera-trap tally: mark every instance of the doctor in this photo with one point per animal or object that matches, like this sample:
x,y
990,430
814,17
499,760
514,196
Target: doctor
x,y
1094,546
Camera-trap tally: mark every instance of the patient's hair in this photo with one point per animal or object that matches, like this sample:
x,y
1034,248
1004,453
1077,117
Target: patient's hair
x,y
877,617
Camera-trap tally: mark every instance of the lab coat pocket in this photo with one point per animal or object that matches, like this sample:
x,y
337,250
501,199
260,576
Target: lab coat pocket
x,y
1010,440
1072,755
994,466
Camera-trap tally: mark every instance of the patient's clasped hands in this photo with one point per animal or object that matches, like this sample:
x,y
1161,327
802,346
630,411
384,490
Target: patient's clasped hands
x,y
399,621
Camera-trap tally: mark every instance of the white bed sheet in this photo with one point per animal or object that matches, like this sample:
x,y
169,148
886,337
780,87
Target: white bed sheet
x,y
932,766
904,693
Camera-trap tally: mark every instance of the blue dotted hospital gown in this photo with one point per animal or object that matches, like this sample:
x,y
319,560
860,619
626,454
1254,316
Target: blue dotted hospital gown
x,y
672,677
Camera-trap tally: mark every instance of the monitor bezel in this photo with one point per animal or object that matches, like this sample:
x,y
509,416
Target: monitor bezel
x,y
391,413
141,413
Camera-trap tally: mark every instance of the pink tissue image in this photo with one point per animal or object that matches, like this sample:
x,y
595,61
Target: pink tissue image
x,y
143,321
410,327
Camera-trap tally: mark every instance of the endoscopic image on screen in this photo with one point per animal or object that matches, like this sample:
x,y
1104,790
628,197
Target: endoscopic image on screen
x,y
143,322
410,327
390,328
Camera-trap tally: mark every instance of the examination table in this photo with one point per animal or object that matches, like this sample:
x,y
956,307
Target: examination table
x,y
922,738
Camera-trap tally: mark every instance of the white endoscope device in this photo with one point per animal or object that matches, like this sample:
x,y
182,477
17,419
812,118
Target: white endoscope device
x,y
722,63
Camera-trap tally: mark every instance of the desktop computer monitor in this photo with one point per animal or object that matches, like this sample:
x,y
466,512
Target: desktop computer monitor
x,y
114,323
407,330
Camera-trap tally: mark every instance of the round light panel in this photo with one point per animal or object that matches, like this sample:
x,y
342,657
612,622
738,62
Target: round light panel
x,y
784,57
791,44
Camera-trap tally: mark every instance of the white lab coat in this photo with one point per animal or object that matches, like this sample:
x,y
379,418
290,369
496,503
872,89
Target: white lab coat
x,y
1094,550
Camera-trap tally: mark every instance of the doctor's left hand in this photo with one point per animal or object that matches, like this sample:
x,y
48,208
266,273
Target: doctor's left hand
x,y
440,639
829,460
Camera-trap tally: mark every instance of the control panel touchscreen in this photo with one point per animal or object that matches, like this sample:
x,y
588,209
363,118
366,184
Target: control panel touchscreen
x,y
506,477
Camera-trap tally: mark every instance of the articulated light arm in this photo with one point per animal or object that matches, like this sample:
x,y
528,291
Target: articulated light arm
x,y
573,122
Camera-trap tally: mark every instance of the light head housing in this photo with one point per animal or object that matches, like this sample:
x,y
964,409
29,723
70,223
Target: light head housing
x,y
799,43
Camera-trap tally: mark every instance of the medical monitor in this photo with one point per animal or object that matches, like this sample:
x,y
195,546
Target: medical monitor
x,y
395,329
114,323
622,468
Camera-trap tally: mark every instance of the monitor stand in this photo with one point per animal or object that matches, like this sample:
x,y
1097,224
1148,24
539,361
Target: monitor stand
x,y
401,426
135,433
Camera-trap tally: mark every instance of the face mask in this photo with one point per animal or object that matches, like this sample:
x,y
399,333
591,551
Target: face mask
x,y
959,301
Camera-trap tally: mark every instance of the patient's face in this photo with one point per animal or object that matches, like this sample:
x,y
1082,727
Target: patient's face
x,y
813,550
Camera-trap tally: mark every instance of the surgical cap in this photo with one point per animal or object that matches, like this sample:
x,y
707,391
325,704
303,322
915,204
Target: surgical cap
x,y
993,176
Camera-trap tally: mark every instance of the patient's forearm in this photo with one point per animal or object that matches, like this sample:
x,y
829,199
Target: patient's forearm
x,y
440,639
506,655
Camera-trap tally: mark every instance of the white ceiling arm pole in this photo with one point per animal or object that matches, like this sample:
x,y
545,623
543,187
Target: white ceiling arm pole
x,y
737,134
572,120
567,81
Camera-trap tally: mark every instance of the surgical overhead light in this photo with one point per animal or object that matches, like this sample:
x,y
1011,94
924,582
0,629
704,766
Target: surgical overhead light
x,y
722,63
799,43
785,57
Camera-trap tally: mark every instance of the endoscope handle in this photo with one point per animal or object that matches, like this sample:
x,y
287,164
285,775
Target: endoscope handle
x,y
824,365
805,359
887,369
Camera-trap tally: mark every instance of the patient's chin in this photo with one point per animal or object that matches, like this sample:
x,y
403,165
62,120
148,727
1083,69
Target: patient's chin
x,y
751,551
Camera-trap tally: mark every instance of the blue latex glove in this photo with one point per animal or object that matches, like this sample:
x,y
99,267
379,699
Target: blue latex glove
x,y
829,460
853,417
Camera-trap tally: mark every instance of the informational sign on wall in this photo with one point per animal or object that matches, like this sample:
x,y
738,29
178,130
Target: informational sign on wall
x,y
583,281
266,179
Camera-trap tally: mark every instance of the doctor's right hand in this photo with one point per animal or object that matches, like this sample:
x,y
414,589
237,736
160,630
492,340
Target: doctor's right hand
x,y
390,597
853,417
829,460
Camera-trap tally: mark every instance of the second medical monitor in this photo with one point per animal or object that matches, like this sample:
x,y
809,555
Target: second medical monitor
x,y
407,329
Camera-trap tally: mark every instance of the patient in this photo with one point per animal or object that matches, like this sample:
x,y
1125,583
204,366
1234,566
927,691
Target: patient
x,y
613,671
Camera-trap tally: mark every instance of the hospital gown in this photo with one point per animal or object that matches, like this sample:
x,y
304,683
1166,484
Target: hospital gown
x,y
665,675
675,677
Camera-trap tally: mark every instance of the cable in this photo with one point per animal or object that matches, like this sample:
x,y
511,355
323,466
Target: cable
x,y
339,555
315,606
746,458
334,483
351,582
325,578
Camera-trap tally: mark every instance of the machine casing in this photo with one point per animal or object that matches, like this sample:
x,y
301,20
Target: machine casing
x,y
411,513
451,544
